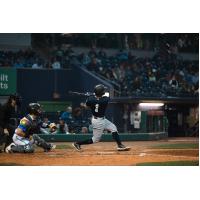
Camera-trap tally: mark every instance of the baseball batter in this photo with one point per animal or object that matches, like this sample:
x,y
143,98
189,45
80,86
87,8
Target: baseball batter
x,y
98,104
25,137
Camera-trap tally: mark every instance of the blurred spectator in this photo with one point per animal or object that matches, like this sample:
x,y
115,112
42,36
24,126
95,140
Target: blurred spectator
x,y
37,65
181,43
77,114
18,64
136,83
48,65
173,82
126,118
59,53
56,64
67,115
195,78
92,53
46,120
84,130
56,96
86,59
93,65
90,128
152,77
85,112
62,127
102,54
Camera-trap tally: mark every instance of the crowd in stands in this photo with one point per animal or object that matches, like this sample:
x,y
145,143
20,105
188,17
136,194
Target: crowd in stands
x,y
61,53
181,42
60,58
70,121
161,76
25,58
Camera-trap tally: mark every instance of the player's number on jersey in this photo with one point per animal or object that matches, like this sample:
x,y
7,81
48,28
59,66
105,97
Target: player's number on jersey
x,y
97,108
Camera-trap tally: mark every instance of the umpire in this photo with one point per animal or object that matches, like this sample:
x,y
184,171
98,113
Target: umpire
x,y
7,110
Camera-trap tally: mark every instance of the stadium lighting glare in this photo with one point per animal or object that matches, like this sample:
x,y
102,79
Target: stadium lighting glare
x,y
151,104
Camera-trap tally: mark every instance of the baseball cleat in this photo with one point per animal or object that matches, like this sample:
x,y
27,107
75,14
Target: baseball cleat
x,y
9,148
77,146
123,148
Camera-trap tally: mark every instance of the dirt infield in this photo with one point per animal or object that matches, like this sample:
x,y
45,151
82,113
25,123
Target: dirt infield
x,y
105,154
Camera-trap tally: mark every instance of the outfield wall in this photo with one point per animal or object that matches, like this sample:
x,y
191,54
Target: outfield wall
x,y
105,137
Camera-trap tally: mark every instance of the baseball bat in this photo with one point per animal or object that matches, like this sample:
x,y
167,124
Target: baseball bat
x,y
80,93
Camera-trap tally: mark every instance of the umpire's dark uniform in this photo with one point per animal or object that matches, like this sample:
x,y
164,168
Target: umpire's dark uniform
x,y
7,110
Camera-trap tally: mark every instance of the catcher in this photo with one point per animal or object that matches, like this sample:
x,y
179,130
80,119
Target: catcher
x,y
24,137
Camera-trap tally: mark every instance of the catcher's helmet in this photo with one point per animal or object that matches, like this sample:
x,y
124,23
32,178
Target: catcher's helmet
x,y
99,90
34,108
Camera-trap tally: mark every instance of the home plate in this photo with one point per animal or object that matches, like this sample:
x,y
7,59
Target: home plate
x,y
106,153
142,154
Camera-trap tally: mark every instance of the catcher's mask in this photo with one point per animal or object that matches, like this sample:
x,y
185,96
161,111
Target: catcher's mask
x,y
35,109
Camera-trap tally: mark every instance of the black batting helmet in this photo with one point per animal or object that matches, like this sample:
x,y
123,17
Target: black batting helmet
x,y
34,108
99,90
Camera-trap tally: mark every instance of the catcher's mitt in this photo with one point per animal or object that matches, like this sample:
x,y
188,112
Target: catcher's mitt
x,y
52,127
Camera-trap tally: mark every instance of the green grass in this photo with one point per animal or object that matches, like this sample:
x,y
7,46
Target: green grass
x,y
170,163
64,146
177,146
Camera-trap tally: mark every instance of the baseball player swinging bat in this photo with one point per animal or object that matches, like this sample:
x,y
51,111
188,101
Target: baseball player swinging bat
x,y
98,102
